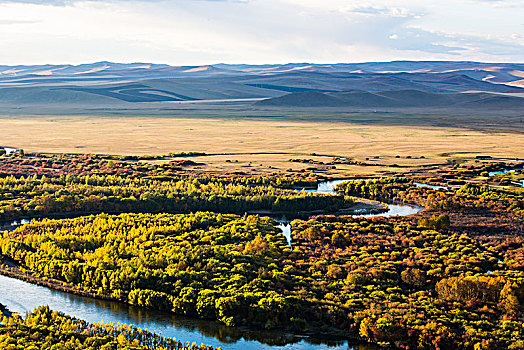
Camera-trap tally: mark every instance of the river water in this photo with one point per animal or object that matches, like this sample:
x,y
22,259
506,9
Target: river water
x,y
9,150
517,183
328,187
491,173
22,297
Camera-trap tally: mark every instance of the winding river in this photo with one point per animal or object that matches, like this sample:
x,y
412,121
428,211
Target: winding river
x,y
328,187
22,297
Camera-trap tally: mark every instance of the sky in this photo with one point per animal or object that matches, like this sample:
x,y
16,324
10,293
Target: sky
x,y
197,32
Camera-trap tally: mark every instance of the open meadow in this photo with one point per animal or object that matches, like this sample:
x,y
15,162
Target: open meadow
x,y
264,144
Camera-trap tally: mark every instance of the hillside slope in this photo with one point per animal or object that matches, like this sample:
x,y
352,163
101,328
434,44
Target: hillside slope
x,y
396,99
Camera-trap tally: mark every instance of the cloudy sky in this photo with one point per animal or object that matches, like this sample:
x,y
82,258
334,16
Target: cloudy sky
x,y
194,32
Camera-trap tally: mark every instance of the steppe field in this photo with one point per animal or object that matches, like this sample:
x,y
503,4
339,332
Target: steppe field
x,y
382,142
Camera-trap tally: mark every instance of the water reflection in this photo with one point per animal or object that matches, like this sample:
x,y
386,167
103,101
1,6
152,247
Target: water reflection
x,y
9,150
395,210
328,187
491,173
435,187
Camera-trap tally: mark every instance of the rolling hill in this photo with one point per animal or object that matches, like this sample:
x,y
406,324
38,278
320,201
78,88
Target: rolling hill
x,y
395,99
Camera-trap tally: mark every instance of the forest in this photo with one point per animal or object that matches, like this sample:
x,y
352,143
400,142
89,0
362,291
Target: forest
x,y
450,277
33,190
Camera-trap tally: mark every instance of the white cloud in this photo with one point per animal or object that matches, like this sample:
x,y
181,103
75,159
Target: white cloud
x,y
258,31
374,10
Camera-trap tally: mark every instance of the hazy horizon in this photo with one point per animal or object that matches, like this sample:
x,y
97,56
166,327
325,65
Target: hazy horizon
x,y
253,64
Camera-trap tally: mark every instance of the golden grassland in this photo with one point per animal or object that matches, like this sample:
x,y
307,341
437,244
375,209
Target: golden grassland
x,y
265,144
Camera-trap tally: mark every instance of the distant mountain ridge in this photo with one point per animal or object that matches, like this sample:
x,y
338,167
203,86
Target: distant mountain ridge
x,y
507,73
121,84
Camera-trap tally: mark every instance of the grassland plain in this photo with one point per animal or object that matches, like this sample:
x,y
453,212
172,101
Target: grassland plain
x,y
266,144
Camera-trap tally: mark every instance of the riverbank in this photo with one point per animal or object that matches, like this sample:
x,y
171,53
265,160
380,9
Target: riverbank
x,y
4,311
167,323
365,206
10,270
362,206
